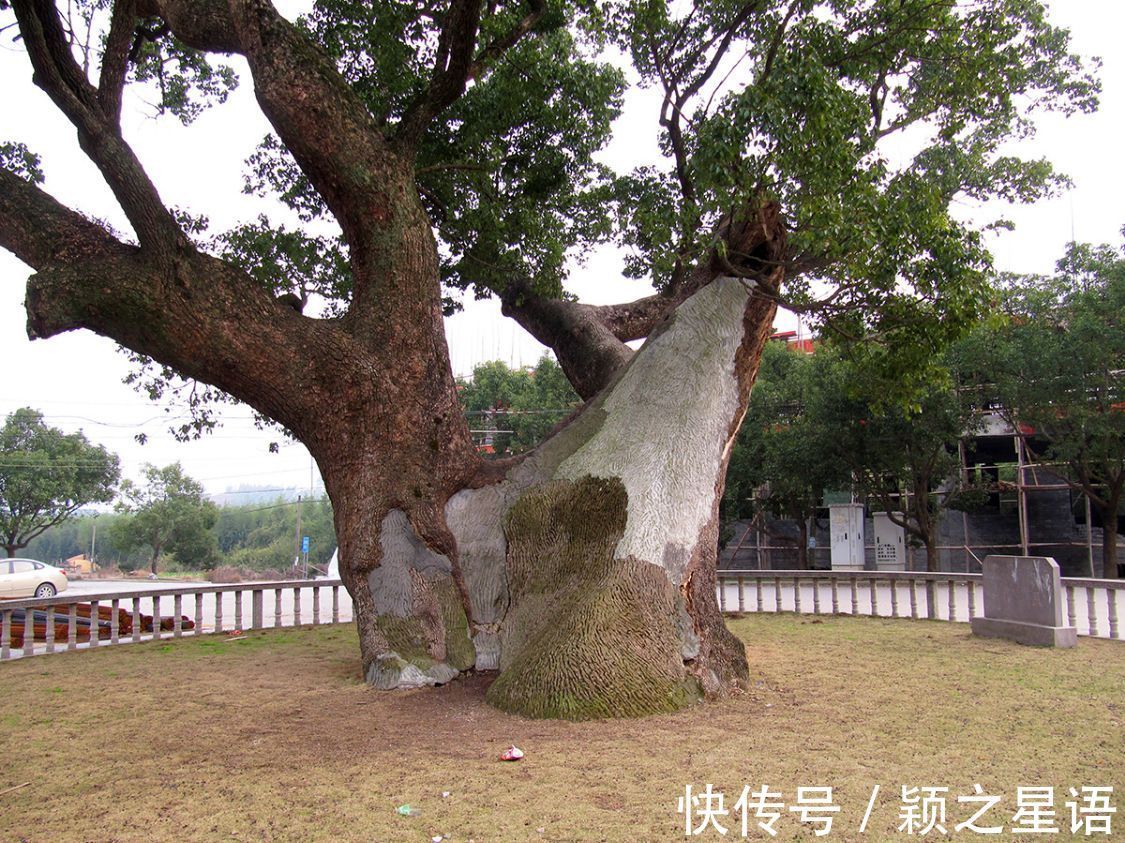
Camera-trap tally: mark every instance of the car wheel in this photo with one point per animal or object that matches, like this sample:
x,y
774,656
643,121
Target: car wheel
x,y
46,590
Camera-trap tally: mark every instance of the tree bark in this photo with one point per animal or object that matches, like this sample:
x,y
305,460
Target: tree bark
x,y
802,544
933,555
1109,535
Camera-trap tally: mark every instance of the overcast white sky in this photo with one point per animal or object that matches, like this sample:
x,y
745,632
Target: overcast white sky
x,y
76,379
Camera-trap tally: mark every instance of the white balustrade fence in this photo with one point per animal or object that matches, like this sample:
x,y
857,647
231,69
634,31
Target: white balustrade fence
x,y
209,608
1092,605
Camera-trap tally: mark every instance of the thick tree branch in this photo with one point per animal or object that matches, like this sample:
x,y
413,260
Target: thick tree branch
x,y
115,62
317,115
452,67
589,341
588,352
203,317
57,73
458,62
513,36
42,233
367,184
635,320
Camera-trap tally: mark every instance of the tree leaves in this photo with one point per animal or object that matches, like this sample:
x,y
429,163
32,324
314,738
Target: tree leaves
x,y
168,514
46,475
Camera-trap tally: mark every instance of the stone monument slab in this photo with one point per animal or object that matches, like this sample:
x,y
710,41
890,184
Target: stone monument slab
x,y
1023,602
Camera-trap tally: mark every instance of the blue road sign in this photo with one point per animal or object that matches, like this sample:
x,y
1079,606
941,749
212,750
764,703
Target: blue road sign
x,y
305,545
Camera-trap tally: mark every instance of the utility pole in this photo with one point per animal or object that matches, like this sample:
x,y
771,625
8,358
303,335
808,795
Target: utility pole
x,y
297,543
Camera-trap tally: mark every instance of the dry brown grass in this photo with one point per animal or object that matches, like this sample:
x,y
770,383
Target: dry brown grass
x,y
274,738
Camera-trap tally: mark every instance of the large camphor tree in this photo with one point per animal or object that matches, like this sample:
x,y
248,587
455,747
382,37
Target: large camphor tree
x,y
813,150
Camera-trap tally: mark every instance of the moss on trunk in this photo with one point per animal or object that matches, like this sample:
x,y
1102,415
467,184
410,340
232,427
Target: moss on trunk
x,y
587,635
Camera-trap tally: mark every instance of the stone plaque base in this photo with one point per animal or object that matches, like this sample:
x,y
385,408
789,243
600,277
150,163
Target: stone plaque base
x,y
1034,634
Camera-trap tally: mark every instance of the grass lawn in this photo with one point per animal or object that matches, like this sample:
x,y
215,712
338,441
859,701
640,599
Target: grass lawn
x,y
275,738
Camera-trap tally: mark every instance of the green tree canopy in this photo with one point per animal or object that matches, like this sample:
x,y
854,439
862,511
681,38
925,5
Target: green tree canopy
x,y
825,421
520,405
46,475
1054,368
903,456
168,514
262,537
784,458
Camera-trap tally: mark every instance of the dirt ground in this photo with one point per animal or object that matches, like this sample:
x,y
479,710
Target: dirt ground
x,y
275,738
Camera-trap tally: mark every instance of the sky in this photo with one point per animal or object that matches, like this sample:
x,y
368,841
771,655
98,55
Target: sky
x,y
76,379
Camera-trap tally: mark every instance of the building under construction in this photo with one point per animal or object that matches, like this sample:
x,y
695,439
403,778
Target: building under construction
x,y
1030,510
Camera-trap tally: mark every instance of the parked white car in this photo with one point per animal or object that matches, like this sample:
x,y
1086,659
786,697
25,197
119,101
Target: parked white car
x,y
30,578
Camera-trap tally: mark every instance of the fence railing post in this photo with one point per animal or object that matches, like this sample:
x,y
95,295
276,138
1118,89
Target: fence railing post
x,y
256,600
51,629
5,634
95,624
157,620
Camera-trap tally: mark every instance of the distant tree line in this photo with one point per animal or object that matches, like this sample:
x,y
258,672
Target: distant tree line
x,y
256,537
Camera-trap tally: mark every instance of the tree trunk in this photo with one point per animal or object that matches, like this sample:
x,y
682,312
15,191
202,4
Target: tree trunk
x,y
802,544
933,555
585,573
1109,538
155,559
